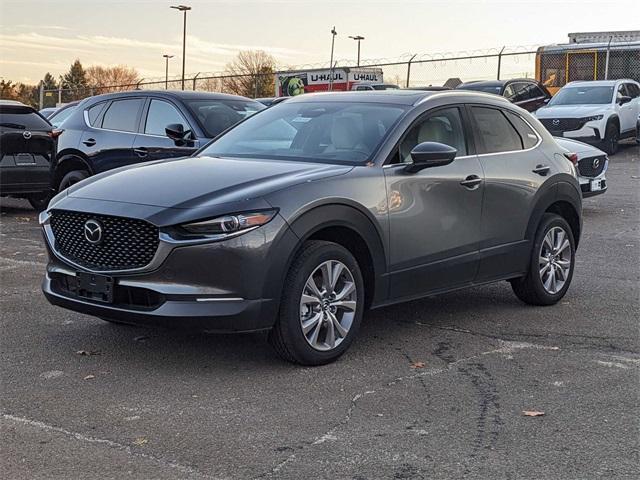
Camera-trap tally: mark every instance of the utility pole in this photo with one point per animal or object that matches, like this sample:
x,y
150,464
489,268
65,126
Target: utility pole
x,y
333,39
357,38
184,9
166,70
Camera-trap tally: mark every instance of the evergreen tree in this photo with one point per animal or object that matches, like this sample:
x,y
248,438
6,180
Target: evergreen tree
x,y
49,82
75,82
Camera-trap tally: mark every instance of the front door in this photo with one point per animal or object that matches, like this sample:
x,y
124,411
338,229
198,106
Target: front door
x,y
434,214
152,143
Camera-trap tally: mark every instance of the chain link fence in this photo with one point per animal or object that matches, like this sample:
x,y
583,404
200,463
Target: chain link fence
x,y
553,66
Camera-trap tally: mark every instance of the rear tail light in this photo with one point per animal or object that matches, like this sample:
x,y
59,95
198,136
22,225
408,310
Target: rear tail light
x,y
572,157
55,133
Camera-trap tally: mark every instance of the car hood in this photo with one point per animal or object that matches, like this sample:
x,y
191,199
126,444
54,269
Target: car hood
x,y
577,147
200,181
570,111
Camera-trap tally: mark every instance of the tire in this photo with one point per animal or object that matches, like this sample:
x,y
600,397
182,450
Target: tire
x,y
531,288
72,178
321,312
39,201
611,139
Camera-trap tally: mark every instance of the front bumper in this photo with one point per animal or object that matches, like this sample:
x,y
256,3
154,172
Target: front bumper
x,y
226,286
591,133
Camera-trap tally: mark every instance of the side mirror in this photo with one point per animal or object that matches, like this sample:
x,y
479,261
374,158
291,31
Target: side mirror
x,y
430,154
624,99
177,133
546,100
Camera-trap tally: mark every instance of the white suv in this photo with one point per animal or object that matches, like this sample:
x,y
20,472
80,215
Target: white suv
x,y
600,112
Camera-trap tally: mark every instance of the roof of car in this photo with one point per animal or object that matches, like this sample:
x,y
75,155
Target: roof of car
x,y
174,94
398,97
597,83
494,83
14,103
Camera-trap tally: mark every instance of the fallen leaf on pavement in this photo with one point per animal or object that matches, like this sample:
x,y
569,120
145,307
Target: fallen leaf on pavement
x,y
140,441
532,413
89,377
418,365
88,352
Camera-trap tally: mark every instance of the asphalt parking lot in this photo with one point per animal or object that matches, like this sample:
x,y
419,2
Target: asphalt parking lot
x,y
434,388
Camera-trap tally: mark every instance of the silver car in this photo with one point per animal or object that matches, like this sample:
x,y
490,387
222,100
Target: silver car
x,y
592,164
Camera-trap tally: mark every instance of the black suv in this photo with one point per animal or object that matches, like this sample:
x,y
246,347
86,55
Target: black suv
x,y
524,92
118,129
27,147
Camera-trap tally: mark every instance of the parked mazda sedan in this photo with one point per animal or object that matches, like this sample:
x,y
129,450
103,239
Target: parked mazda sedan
x,y
308,213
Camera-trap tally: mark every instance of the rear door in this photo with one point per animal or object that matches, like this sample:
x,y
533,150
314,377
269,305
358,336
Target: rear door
x,y
152,142
515,169
26,150
108,141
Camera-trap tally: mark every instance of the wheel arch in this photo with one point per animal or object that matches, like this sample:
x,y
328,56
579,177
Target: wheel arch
x,y
350,227
562,198
68,161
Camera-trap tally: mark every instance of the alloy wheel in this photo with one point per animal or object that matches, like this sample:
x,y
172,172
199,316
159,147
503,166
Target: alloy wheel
x,y
328,305
555,260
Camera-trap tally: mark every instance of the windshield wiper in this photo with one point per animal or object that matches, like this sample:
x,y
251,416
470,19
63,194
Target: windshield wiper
x,y
12,125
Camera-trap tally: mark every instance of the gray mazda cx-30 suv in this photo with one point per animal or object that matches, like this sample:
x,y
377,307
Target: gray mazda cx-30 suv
x,y
306,214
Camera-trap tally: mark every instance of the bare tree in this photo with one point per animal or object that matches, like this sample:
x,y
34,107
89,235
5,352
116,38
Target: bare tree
x,y
251,74
111,79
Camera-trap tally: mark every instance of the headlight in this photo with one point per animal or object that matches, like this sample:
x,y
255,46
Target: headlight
x,y
594,118
227,224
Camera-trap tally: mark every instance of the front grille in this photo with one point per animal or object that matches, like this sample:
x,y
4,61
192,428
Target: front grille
x,y
592,166
562,124
126,243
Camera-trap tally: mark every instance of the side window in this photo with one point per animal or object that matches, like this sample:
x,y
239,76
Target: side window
x,y
633,90
520,92
527,134
622,92
509,92
444,126
160,115
496,132
536,92
94,113
122,115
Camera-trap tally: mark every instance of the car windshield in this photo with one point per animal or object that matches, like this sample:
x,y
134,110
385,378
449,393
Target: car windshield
x,y
330,132
482,88
215,116
583,95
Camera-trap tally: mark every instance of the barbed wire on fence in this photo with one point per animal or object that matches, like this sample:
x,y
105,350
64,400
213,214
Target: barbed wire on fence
x,y
407,70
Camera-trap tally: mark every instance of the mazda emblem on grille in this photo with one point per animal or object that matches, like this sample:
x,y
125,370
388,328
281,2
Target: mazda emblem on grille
x,y
596,163
93,231
26,134
556,122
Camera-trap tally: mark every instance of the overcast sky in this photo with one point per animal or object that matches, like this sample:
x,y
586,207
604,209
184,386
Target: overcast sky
x,y
41,36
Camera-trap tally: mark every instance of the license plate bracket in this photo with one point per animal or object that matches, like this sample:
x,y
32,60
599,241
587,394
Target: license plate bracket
x,y
94,287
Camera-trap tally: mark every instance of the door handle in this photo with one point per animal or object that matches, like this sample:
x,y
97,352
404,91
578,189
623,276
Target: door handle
x,y
141,152
89,142
541,169
471,182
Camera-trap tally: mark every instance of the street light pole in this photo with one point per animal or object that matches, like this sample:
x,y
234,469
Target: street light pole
x,y
184,9
333,39
357,38
166,71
